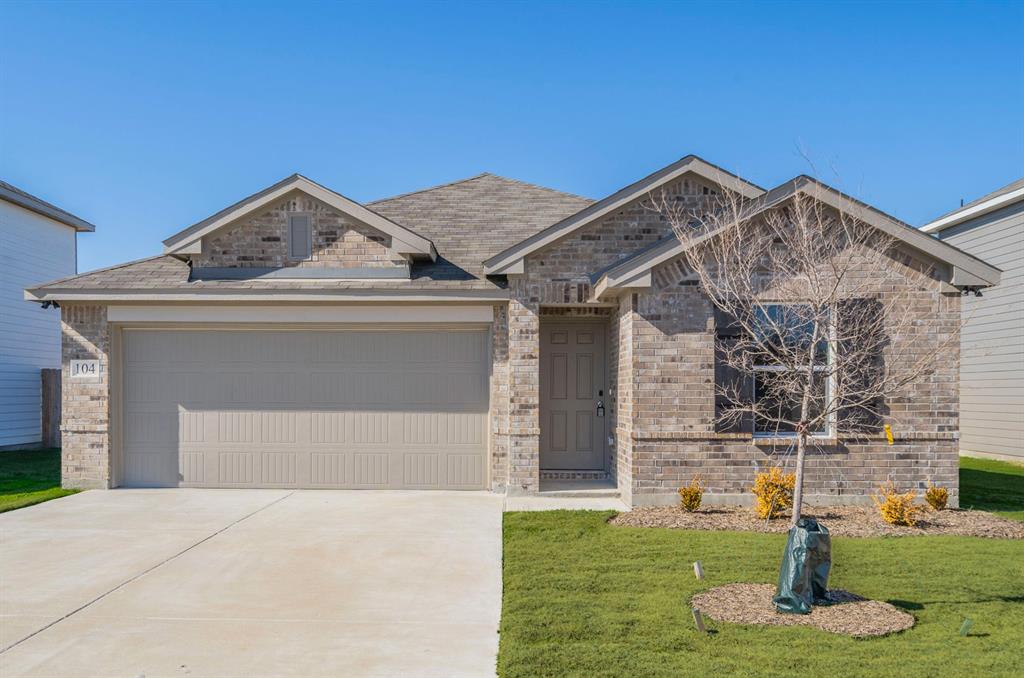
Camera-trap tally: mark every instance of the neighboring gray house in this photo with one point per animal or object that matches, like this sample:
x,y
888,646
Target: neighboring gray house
x,y
992,348
483,334
37,243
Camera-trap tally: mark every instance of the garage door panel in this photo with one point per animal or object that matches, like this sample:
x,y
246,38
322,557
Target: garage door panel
x,y
141,428
423,428
329,428
192,427
279,414
465,470
237,468
371,469
150,466
328,469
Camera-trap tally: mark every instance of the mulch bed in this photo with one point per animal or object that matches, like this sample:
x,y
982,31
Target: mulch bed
x,y
848,613
841,521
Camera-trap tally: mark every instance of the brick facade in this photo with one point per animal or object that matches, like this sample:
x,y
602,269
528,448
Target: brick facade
x,y
673,335
339,241
558,278
660,367
85,404
661,353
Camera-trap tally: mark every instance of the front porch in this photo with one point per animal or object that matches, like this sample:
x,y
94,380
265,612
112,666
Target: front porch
x,y
562,408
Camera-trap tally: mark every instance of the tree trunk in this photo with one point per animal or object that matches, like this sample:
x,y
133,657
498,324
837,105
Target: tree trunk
x,y
798,488
802,432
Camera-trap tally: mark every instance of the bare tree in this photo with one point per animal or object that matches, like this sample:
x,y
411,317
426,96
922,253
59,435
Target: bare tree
x,y
820,331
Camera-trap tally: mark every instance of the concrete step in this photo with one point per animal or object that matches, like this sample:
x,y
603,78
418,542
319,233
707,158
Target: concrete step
x,y
578,488
581,494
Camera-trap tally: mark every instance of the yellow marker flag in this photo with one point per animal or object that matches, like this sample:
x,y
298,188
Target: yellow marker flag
x,y
888,433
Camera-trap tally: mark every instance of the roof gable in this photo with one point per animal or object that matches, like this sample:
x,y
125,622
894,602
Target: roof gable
x,y
404,240
510,260
967,270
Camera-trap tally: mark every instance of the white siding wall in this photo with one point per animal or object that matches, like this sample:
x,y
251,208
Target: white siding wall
x,y
992,351
33,250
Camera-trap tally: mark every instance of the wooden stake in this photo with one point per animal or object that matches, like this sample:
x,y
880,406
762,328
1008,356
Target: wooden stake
x,y
698,570
699,620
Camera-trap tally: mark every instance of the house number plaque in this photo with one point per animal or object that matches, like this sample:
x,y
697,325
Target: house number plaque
x,y
85,370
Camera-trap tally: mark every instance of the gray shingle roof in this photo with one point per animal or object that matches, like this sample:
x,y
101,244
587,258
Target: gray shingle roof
x,y
468,221
474,219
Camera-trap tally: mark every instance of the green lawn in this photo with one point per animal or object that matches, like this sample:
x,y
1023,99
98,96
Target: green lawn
x,y
585,599
994,486
29,477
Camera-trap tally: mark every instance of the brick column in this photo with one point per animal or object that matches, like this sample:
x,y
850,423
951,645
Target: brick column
x,y
85,405
524,396
622,327
499,413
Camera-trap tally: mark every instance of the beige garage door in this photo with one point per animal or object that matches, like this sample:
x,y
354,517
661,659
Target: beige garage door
x,y
319,409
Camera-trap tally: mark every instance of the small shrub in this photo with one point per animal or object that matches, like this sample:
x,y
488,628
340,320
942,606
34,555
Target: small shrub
x,y
936,496
774,492
691,495
896,508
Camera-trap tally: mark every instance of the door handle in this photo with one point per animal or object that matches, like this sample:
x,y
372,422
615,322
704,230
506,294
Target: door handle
x,y
600,408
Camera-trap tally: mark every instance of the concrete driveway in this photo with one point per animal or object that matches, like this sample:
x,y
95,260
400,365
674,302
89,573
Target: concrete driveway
x,y
251,582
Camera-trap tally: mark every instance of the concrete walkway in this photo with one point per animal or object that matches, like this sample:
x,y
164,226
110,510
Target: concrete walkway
x,y
251,583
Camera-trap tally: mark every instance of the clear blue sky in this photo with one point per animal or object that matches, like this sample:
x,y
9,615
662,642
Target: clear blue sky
x,y
144,118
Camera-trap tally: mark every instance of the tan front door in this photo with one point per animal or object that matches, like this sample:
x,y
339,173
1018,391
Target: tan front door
x,y
573,395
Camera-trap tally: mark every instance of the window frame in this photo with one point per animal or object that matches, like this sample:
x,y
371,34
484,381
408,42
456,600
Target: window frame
x,y
830,424
309,236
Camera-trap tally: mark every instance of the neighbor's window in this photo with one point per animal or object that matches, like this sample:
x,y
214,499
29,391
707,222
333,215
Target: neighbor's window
x,y
300,236
785,331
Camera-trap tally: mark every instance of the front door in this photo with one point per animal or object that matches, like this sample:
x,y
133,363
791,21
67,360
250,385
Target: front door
x,y
573,395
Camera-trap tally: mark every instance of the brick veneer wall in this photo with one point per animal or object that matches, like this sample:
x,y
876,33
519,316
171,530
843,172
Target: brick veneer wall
x,y
618,235
559,276
674,436
85,405
524,391
623,396
262,241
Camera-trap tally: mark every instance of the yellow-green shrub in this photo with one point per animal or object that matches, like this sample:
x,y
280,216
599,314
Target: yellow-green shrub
x,y
691,495
774,492
896,508
936,496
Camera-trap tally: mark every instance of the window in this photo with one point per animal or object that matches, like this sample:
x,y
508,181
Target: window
x,y
785,332
300,236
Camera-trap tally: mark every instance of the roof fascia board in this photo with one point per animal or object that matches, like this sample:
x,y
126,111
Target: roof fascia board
x,y
33,204
174,295
968,213
972,268
404,241
604,289
966,270
503,261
